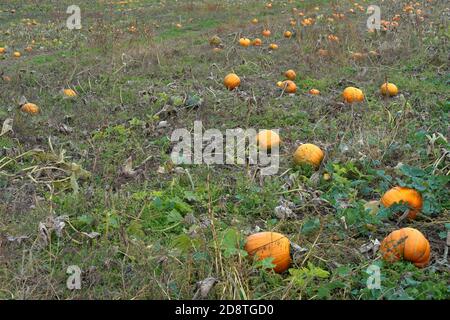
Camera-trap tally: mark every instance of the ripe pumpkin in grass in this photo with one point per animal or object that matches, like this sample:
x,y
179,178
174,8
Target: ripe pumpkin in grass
x,y
407,195
268,139
352,94
273,46
270,245
244,42
266,33
69,93
255,21
289,86
290,74
17,54
2,50
257,42
287,34
30,108
314,92
309,153
232,81
389,89
408,244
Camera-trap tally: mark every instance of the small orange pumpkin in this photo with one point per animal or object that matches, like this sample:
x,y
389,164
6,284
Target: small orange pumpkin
x,y
69,93
273,46
17,54
255,21
389,89
408,244
245,42
290,74
407,195
287,34
30,108
270,245
232,81
314,92
266,33
289,86
309,153
352,94
2,50
267,139
257,42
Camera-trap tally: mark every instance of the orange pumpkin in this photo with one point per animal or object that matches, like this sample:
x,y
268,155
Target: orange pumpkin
x,y
255,21
2,50
266,33
290,74
287,34
232,81
30,108
289,86
69,93
17,54
406,195
314,92
273,46
389,89
267,139
245,42
309,153
408,244
352,95
257,42
270,245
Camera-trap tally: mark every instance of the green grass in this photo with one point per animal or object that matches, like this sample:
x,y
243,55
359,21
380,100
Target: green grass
x,y
155,233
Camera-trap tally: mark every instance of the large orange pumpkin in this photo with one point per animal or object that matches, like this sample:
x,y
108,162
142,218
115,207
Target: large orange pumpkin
x,y
30,108
289,86
290,74
270,245
352,94
267,139
407,195
245,42
408,244
231,81
389,89
309,153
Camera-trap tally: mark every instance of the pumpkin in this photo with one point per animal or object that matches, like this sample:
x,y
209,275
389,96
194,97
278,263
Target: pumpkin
x,y
30,108
280,84
290,74
266,139
17,54
245,42
255,21
287,34
69,93
273,46
269,5
402,194
2,50
231,81
266,33
178,25
352,94
309,153
333,38
270,245
28,49
289,86
257,42
389,89
314,92
215,41
408,244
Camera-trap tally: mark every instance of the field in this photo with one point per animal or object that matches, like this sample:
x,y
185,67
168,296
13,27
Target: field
x,y
88,181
